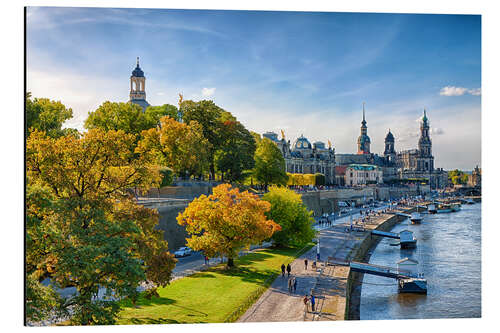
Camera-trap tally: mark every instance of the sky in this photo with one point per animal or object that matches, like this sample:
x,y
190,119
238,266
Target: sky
x,y
302,72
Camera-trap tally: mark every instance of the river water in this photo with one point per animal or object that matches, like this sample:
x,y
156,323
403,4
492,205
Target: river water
x,y
449,254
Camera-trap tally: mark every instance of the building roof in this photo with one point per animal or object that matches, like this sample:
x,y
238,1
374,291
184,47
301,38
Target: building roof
x,y
366,167
141,102
137,72
389,137
302,143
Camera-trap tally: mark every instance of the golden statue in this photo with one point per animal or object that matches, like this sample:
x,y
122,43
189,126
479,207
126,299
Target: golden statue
x,y
329,144
282,135
180,99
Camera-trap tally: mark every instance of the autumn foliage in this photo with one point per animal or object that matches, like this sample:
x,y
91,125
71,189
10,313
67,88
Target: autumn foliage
x,y
226,221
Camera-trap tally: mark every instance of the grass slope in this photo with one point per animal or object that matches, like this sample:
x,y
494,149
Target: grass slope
x,y
214,295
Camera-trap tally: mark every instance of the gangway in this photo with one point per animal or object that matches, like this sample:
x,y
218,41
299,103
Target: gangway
x,y
408,282
406,238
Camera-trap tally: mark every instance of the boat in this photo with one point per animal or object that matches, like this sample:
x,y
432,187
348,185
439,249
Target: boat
x,y
412,285
407,240
456,207
444,208
431,209
415,218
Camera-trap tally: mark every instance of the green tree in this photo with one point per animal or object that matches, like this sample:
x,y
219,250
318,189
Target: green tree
x,y
320,179
153,114
269,164
84,229
288,210
208,115
127,117
235,154
46,115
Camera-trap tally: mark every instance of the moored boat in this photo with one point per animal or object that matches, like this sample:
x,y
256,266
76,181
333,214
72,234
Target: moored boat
x,y
444,208
456,207
415,218
431,209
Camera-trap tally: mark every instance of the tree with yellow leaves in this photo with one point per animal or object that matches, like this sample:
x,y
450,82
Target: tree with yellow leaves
x,y
84,229
226,221
178,146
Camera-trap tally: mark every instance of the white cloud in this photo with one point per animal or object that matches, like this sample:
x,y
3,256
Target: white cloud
x,y
436,131
475,92
452,91
459,91
207,91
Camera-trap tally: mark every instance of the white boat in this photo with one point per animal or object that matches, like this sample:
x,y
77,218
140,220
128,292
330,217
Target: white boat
x,y
432,209
415,218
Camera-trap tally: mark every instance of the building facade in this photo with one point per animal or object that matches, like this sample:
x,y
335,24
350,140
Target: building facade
x,y
138,87
363,174
304,157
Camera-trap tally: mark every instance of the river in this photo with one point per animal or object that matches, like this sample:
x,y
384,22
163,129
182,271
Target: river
x,y
449,255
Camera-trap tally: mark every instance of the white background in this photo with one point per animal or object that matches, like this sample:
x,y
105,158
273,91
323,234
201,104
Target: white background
x,y
12,202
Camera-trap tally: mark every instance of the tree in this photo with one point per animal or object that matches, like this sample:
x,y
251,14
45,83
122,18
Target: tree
x,y
83,227
226,221
288,210
127,117
46,115
208,115
178,146
235,154
320,179
153,114
458,177
269,164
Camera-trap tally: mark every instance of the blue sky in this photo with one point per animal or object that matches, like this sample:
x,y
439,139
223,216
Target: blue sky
x,y
306,73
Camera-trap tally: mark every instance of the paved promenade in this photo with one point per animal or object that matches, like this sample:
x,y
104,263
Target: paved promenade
x,y
328,284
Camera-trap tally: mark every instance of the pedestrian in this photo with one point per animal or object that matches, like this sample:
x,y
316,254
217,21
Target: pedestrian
x,y
282,269
305,263
305,300
290,284
288,269
294,284
313,302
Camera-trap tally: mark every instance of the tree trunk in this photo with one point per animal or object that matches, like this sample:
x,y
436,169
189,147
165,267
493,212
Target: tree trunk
x,y
230,262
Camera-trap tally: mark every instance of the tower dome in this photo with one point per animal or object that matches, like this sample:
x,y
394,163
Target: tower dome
x,y
389,137
302,143
137,72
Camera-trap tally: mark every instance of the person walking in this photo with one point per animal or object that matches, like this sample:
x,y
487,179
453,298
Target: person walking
x,y
313,302
294,284
305,263
288,269
283,270
290,284
305,300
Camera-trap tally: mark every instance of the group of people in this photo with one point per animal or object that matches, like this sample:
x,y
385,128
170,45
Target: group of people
x,y
309,299
292,281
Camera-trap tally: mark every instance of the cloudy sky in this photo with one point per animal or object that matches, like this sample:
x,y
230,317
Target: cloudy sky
x,y
305,73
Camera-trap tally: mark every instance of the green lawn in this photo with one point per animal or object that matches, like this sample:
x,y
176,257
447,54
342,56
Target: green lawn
x,y
214,295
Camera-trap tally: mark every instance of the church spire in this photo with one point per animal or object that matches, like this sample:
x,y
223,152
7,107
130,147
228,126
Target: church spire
x,y
137,61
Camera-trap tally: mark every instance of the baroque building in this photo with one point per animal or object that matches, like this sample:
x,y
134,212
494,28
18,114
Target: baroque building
x,y
138,87
419,163
306,158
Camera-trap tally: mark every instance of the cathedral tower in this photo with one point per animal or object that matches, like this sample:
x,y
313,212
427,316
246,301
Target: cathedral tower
x,y
425,160
364,139
389,152
138,87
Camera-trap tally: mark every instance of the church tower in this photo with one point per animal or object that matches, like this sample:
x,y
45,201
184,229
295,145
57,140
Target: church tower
x,y
389,152
364,139
138,87
425,160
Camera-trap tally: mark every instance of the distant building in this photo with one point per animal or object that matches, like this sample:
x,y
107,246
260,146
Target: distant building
x,y
419,163
304,157
340,175
364,139
363,174
475,177
138,87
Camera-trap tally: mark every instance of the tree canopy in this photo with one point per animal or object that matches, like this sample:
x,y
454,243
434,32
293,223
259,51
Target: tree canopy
x,y
127,117
83,227
288,210
178,146
226,221
458,177
269,164
46,115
